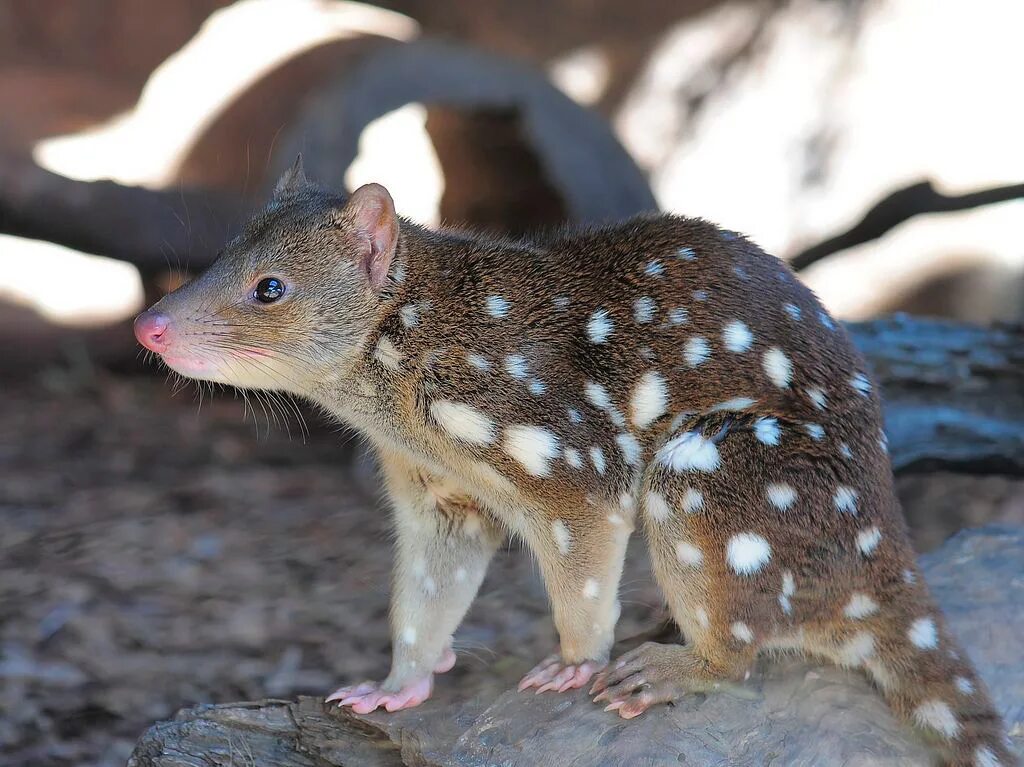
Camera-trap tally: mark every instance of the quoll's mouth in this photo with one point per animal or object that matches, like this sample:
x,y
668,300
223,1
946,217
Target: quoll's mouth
x,y
155,331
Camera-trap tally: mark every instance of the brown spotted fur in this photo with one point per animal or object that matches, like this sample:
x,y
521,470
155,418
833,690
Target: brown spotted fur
x,y
455,500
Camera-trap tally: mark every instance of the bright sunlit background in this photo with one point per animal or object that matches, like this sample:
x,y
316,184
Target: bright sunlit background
x,y
785,122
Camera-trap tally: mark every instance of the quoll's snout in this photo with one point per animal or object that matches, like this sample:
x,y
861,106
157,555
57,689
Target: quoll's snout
x,y
151,330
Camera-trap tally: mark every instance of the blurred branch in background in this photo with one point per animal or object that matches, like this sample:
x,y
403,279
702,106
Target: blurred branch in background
x,y
901,205
155,230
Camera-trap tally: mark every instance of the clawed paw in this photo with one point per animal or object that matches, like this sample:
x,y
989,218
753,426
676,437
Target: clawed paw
x,y
641,678
369,696
553,673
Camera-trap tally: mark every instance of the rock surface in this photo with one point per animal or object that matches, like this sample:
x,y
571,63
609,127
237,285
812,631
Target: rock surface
x,y
790,712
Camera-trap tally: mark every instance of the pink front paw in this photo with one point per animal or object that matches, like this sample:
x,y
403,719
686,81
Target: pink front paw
x,y
553,673
369,696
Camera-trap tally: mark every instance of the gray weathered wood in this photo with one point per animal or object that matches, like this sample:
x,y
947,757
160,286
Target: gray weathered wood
x,y
797,713
954,393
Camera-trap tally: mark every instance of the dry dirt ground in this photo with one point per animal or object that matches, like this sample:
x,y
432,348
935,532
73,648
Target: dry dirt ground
x,y
154,555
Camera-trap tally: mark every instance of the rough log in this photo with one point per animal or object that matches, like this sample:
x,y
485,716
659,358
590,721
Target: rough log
x,y
792,713
954,393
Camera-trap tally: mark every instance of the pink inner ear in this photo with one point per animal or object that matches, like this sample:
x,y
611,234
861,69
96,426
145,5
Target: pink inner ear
x,y
373,217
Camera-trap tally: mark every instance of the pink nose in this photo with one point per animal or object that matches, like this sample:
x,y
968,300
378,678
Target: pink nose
x,y
151,330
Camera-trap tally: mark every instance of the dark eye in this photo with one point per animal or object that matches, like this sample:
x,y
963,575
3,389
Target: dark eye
x,y
268,290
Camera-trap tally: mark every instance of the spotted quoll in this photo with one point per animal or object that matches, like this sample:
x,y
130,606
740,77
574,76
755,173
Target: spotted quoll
x,y
566,388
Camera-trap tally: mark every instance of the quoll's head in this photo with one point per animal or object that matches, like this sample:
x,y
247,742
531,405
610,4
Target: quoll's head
x,y
289,301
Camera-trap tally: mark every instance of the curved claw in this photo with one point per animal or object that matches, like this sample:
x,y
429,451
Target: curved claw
x,y
554,674
369,696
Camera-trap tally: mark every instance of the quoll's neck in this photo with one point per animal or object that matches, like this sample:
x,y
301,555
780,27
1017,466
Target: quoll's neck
x,y
422,316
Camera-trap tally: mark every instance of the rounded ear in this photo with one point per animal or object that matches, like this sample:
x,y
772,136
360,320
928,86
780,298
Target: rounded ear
x,y
292,180
370,212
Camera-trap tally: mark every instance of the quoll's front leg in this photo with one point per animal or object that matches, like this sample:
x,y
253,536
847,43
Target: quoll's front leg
x,y
581,557
444,545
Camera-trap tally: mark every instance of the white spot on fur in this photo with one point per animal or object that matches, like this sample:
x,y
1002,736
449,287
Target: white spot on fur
x,y
792,310
463,421
497,307
825,320
778,367
410,315
767,431
678,316
883,442
696,351
860,606
686,254
740,272
781,495
597,458
734,405
815,431
861,384
788,589
985,757
742,632
591,588
937,715
650,399
533,447
643,310
599,326
845,452
573,457
429,586
598,395
857,649
700,295
575,416
693,500
479,361
747,553
409,635
387,353
626,501
654,269
909,577
702,617
689,452
923,634
817,397
867,540
561,302
516,366
400,271
688,554
630,447
737,336
460,574
845,500
561,535
964,685
537,387
656,507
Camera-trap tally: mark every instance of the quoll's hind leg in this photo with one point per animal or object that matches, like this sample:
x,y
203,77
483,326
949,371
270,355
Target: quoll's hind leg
x,y
444,544
752,528
580,557
768,536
